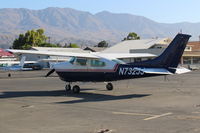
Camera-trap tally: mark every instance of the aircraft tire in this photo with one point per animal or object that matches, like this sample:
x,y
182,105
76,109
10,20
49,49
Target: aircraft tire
x,y
76,89
68,87
109,86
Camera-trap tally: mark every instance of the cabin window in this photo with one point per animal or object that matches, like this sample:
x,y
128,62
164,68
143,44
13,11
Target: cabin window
x,y
97,63
118,61
81,61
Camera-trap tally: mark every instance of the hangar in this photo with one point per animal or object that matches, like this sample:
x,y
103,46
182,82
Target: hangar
x,y
191,56
139,46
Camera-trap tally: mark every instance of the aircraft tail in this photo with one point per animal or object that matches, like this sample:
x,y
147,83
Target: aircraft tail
x,y
22,61
170,58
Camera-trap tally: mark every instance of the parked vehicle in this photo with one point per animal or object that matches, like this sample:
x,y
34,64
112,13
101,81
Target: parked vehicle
x,y
34,66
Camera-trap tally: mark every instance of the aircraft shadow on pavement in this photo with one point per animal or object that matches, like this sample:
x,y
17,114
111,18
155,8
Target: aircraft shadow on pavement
x,y
96,97
15,94
84,96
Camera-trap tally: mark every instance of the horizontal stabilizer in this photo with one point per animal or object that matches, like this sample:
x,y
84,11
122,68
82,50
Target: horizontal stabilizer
x,y
181,70
155,71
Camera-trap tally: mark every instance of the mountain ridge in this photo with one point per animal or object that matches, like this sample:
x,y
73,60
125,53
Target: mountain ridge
x,y
61,24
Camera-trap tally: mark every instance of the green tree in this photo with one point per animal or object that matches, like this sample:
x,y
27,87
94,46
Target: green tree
x,y
72,45
30,39
47,45
102,44
17,42
132,36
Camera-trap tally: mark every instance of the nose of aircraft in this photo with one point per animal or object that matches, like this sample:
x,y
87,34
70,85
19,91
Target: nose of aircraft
x,y
50,72
52,66
55,66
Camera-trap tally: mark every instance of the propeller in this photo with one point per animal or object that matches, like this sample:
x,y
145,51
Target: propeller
x,y
50,72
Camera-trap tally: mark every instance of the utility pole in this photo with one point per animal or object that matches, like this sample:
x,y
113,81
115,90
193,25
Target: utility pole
x,y
49,39
181,31
199,38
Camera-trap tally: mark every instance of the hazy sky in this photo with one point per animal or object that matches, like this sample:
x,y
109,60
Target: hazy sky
x,y
167,11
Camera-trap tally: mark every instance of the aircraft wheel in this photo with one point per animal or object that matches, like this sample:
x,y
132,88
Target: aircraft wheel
x,y
76,89
109,86
68,87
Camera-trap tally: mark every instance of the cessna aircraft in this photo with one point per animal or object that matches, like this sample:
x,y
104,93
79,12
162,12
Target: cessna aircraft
x,y
97,67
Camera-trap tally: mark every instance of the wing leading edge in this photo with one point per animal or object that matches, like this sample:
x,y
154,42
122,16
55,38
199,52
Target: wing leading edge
x,y
83,55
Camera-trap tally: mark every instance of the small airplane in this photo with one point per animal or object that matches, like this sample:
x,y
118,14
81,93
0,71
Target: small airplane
x,y
95,67
16,66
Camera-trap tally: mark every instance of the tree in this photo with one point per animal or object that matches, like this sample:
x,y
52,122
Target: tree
x,y
132,36
17,42
47,45
72,45
102,44
30,39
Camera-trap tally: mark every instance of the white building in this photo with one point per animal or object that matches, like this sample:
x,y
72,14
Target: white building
x,y
139,46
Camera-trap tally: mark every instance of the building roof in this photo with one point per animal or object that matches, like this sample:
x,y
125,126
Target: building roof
x,y
75,50
125,46
5,54
195,45
95,49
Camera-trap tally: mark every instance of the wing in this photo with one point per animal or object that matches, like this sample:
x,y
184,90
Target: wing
x,y
94,55
125,55
51,53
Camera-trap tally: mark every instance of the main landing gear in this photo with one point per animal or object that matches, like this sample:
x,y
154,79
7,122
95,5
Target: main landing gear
x,y
109,86
76,89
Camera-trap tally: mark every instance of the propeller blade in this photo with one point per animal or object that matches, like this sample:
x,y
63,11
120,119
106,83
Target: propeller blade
x,y
50,72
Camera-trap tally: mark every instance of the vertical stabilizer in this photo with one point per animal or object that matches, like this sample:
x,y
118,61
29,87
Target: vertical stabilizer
x,y
21,64
170,58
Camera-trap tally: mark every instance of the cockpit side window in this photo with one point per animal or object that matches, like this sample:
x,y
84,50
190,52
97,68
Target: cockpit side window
x,y
81,61
97,63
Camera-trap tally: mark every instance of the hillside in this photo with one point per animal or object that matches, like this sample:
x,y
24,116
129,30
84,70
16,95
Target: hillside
x,y
66,25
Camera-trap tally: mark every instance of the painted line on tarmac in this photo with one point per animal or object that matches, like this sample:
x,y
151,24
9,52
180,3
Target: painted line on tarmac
x,y
151,116
196,112
136,114
157,116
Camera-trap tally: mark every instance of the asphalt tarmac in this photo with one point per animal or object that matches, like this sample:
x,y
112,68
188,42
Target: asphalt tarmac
x,y
31,103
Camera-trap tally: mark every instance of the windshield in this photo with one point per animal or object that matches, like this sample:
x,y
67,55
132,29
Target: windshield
x,y
72,60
